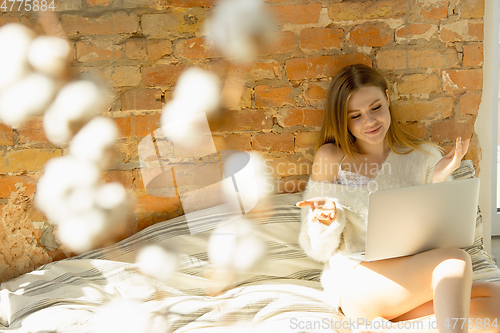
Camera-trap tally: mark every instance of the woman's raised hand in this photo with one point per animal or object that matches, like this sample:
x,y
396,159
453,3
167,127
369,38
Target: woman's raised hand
x,y
451,161
324,210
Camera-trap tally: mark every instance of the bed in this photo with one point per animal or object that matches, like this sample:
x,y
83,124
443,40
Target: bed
x,y
281,294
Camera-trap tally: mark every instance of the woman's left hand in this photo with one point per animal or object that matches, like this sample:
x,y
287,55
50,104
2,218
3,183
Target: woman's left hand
x,y
450,162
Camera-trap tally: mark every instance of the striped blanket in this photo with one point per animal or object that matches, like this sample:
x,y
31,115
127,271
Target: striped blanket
x,y
281,294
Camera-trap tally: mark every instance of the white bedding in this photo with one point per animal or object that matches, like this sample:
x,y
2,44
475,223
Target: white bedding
x,y
281,294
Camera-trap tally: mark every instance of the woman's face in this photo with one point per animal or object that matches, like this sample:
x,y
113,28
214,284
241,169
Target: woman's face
x,y
368,115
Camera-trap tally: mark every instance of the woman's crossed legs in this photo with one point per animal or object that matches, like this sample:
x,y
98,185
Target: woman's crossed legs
x,y
436,282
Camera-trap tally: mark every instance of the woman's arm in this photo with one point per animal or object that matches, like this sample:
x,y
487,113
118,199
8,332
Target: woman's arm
x,y
323,218
450,162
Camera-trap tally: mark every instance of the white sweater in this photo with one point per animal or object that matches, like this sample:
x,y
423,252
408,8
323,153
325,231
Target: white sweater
x,y
347,233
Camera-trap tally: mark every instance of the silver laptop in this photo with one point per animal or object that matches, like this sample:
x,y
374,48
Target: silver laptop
x,y
414,219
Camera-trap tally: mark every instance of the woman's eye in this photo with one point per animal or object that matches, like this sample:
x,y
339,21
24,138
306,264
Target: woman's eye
x,y
355,117
377,108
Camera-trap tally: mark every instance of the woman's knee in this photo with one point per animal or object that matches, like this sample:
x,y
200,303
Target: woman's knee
x,y
452,263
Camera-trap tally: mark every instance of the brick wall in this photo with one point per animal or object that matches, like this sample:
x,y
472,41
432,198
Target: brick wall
x,y
430,50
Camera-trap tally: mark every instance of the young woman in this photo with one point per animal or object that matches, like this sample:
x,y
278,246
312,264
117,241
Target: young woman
x,y
362,148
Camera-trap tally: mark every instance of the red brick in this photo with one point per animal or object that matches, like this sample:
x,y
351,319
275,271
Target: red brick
x,y
316,90
6,135
472,9
465,79
126,178
416,130
6,19
151,204
449,130
266,96
303,117
418,84
142,3
195,48
435,11
33,23
284,42
469,103
416,31
8,185
462,31
101,3
157,49
137,126
141,99
166,24
312,39
415,110
273,141
135,48
65,5
241,141
242,120
127,155
27,159
96,50
246,99
31,131
297,14
473,55
162,75
371,35
109,23
266,69
371,9
125,76
396,59
306,139
191,3
138,48
323,66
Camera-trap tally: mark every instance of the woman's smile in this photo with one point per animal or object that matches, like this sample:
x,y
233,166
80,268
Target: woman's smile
x,y
374,131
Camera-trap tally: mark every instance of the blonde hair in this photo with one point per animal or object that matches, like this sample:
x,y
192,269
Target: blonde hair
x,y
334,129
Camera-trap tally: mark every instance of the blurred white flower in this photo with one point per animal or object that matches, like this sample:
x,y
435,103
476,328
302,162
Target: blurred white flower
x,y
75,105
111,196
239,27
157,262
93,216
113,199
249,175
29,96
49,55
87,213
235,246
94,141
61,178
124,316
197,91
83,232
14,42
